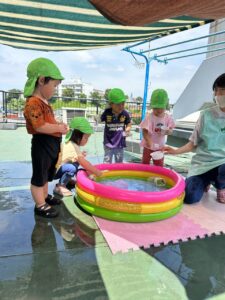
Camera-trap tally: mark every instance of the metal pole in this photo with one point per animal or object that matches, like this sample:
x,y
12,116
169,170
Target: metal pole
x,y
183,42
193,54
147,69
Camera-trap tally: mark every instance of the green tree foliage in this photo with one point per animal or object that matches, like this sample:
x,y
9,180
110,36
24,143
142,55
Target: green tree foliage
x,y
83,98
96,97
16,104
68,92
139,99
106,95
13,94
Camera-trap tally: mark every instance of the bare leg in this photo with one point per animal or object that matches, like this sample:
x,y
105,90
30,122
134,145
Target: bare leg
x,y
42,208
46,190
38,194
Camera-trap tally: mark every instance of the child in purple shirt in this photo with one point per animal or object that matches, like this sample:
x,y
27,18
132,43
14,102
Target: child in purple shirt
x,y
117,126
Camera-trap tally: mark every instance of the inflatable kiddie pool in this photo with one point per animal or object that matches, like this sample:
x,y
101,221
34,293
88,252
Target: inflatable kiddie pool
x,y
119,204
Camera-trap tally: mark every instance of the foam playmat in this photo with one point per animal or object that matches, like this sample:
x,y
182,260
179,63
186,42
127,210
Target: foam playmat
x,y
194,221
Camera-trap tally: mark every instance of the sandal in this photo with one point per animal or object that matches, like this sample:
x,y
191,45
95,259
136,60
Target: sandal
x,y
52,200
45,211
221,196
61,191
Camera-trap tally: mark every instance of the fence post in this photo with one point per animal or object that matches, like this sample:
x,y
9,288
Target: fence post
x,y
97,107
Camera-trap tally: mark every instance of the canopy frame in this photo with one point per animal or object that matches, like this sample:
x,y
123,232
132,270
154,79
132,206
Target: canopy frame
x,y
162,58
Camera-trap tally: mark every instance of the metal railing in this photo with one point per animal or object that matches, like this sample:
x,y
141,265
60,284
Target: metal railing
x,y
12,105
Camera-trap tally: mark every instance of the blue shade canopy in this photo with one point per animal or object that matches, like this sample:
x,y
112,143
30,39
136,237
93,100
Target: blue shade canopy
x,y
55,25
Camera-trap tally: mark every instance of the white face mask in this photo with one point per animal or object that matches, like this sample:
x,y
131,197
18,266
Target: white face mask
x,y
220,100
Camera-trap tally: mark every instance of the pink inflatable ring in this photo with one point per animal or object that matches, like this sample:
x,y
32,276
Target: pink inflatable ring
x,y
132,206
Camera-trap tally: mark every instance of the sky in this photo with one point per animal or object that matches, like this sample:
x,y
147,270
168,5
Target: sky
x,y
110,67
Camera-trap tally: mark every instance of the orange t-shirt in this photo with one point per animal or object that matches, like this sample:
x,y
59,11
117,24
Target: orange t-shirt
x,y
37,113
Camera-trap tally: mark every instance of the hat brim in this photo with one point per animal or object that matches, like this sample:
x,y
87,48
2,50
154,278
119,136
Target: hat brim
x,y
117,101
158,106
89,131
68,135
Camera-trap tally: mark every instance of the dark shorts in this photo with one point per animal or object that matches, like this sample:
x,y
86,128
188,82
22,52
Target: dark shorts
x,y
44,154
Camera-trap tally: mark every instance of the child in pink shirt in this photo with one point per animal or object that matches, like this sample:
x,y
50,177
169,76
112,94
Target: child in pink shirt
x,y
156,126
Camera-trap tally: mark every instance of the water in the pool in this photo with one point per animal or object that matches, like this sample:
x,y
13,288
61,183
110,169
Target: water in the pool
x,y
152,184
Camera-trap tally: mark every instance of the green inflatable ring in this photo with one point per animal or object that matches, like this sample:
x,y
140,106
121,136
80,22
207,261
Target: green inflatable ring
x,y
126,217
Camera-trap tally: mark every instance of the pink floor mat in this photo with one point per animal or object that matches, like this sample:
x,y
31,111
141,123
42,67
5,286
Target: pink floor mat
x,y
194,221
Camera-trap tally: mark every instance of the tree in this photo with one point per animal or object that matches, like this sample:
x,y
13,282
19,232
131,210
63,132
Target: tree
x,y
139,99
13,94
83,98
16,104
95,96
106,95
68,92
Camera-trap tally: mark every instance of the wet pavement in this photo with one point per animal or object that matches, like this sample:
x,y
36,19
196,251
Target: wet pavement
x,y
68,258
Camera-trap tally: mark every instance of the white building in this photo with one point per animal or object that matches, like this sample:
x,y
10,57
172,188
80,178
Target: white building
x,y
77,86
100,92
199,89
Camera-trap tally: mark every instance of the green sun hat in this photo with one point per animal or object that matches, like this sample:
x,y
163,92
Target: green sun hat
x,y
40,67
116,96
81,124
159,99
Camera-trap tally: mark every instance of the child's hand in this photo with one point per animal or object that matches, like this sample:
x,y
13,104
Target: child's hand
x,y
103,171
99,173
169,150
84,153
92,177
127,133
58,119
166,131
63,128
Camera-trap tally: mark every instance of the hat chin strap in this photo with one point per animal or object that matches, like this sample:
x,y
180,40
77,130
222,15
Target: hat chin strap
x,y
68,135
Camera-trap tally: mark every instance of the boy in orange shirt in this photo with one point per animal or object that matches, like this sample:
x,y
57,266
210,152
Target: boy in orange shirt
x,y
43,77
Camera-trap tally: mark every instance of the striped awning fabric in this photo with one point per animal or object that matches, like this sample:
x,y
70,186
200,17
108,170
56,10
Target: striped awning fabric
x,y
55,25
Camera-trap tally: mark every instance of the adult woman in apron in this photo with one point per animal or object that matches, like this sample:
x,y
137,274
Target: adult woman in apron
x,y
208,142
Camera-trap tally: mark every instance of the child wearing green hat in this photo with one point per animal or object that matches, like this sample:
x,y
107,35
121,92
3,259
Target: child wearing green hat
x,y
43,78
71,156
156,126
117,126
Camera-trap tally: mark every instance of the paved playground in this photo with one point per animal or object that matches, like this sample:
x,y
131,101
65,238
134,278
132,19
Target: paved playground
x,y
68,258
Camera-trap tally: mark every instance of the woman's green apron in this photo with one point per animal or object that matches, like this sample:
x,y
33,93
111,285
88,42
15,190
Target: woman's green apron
x,y
210,151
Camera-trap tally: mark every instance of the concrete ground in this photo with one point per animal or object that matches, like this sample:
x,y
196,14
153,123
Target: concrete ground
x,y
68,258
